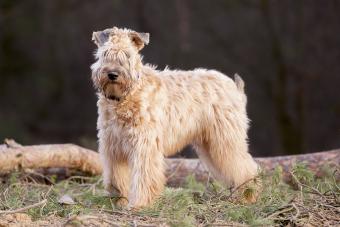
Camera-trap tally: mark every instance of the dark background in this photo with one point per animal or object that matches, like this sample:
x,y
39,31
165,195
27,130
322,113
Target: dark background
x,y
288,53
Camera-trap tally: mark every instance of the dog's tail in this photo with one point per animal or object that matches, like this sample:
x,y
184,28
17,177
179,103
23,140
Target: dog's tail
x,y
240,86
239,83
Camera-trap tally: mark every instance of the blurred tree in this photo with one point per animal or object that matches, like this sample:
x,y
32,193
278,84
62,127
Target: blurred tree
x,y
287,52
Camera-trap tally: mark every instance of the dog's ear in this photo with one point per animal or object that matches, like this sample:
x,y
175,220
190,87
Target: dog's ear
x,y
101,37
139,39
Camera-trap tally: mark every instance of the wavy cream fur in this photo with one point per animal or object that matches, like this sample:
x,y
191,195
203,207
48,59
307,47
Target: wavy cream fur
x,y
156,113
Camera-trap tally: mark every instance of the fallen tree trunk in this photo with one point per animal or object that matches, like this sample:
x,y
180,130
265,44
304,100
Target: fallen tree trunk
x,y
179,169
14,156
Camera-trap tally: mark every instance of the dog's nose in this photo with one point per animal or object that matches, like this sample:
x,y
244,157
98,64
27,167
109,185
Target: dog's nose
x,y
112,76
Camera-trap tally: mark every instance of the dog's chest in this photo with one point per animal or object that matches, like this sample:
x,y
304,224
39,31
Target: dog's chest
x,y
124,114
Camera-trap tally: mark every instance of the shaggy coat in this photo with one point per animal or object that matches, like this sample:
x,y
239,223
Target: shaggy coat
x,y
145,115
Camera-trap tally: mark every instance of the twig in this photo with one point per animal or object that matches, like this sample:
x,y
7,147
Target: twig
x,y
41,209
79,218
225,224
42,202
307,186
48,192
281,211
32,172
297,211
117,212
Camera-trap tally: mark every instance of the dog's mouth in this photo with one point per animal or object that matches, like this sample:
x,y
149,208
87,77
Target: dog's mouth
x,y
114,98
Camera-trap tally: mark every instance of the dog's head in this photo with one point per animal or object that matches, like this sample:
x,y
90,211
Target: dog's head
x,y
118,65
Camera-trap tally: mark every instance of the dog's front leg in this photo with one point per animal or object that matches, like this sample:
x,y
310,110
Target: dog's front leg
x,y
106,159
116,173
121,181
147,176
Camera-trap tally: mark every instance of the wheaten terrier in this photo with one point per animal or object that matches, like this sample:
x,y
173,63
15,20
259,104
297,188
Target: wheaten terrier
x,y
146,114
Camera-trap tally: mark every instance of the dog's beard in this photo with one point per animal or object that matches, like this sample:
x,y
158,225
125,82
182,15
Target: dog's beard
x,y
112,91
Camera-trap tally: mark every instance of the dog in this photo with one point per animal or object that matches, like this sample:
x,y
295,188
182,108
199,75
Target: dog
x,y
145,115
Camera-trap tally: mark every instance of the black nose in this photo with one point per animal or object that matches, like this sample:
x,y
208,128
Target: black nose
x,y
112,76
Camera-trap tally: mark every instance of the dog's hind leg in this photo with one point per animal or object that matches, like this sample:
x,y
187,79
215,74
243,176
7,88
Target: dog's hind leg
x,y
230,168
224,147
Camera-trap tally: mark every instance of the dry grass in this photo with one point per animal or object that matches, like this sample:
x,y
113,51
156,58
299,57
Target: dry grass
x,y
307,199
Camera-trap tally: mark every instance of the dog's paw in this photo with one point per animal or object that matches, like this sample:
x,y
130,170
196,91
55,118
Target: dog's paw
x,y
121,202
247,193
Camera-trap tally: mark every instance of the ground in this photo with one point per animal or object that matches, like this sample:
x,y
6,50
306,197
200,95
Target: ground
x,y
305,200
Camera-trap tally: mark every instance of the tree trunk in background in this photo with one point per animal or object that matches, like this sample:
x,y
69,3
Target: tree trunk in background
x,y
183,13
291,133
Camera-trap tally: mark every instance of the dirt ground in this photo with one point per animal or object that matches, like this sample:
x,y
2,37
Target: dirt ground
x,y
30,199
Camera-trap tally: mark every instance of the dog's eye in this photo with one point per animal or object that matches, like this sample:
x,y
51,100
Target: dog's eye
x,y
112,76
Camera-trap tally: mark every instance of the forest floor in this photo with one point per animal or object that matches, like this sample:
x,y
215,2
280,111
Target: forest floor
x,y
30,199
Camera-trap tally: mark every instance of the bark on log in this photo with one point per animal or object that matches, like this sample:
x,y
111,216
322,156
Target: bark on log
x,y
179,169
14,156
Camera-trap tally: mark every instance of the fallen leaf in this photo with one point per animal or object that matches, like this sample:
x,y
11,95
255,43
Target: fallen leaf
x,y
66,199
